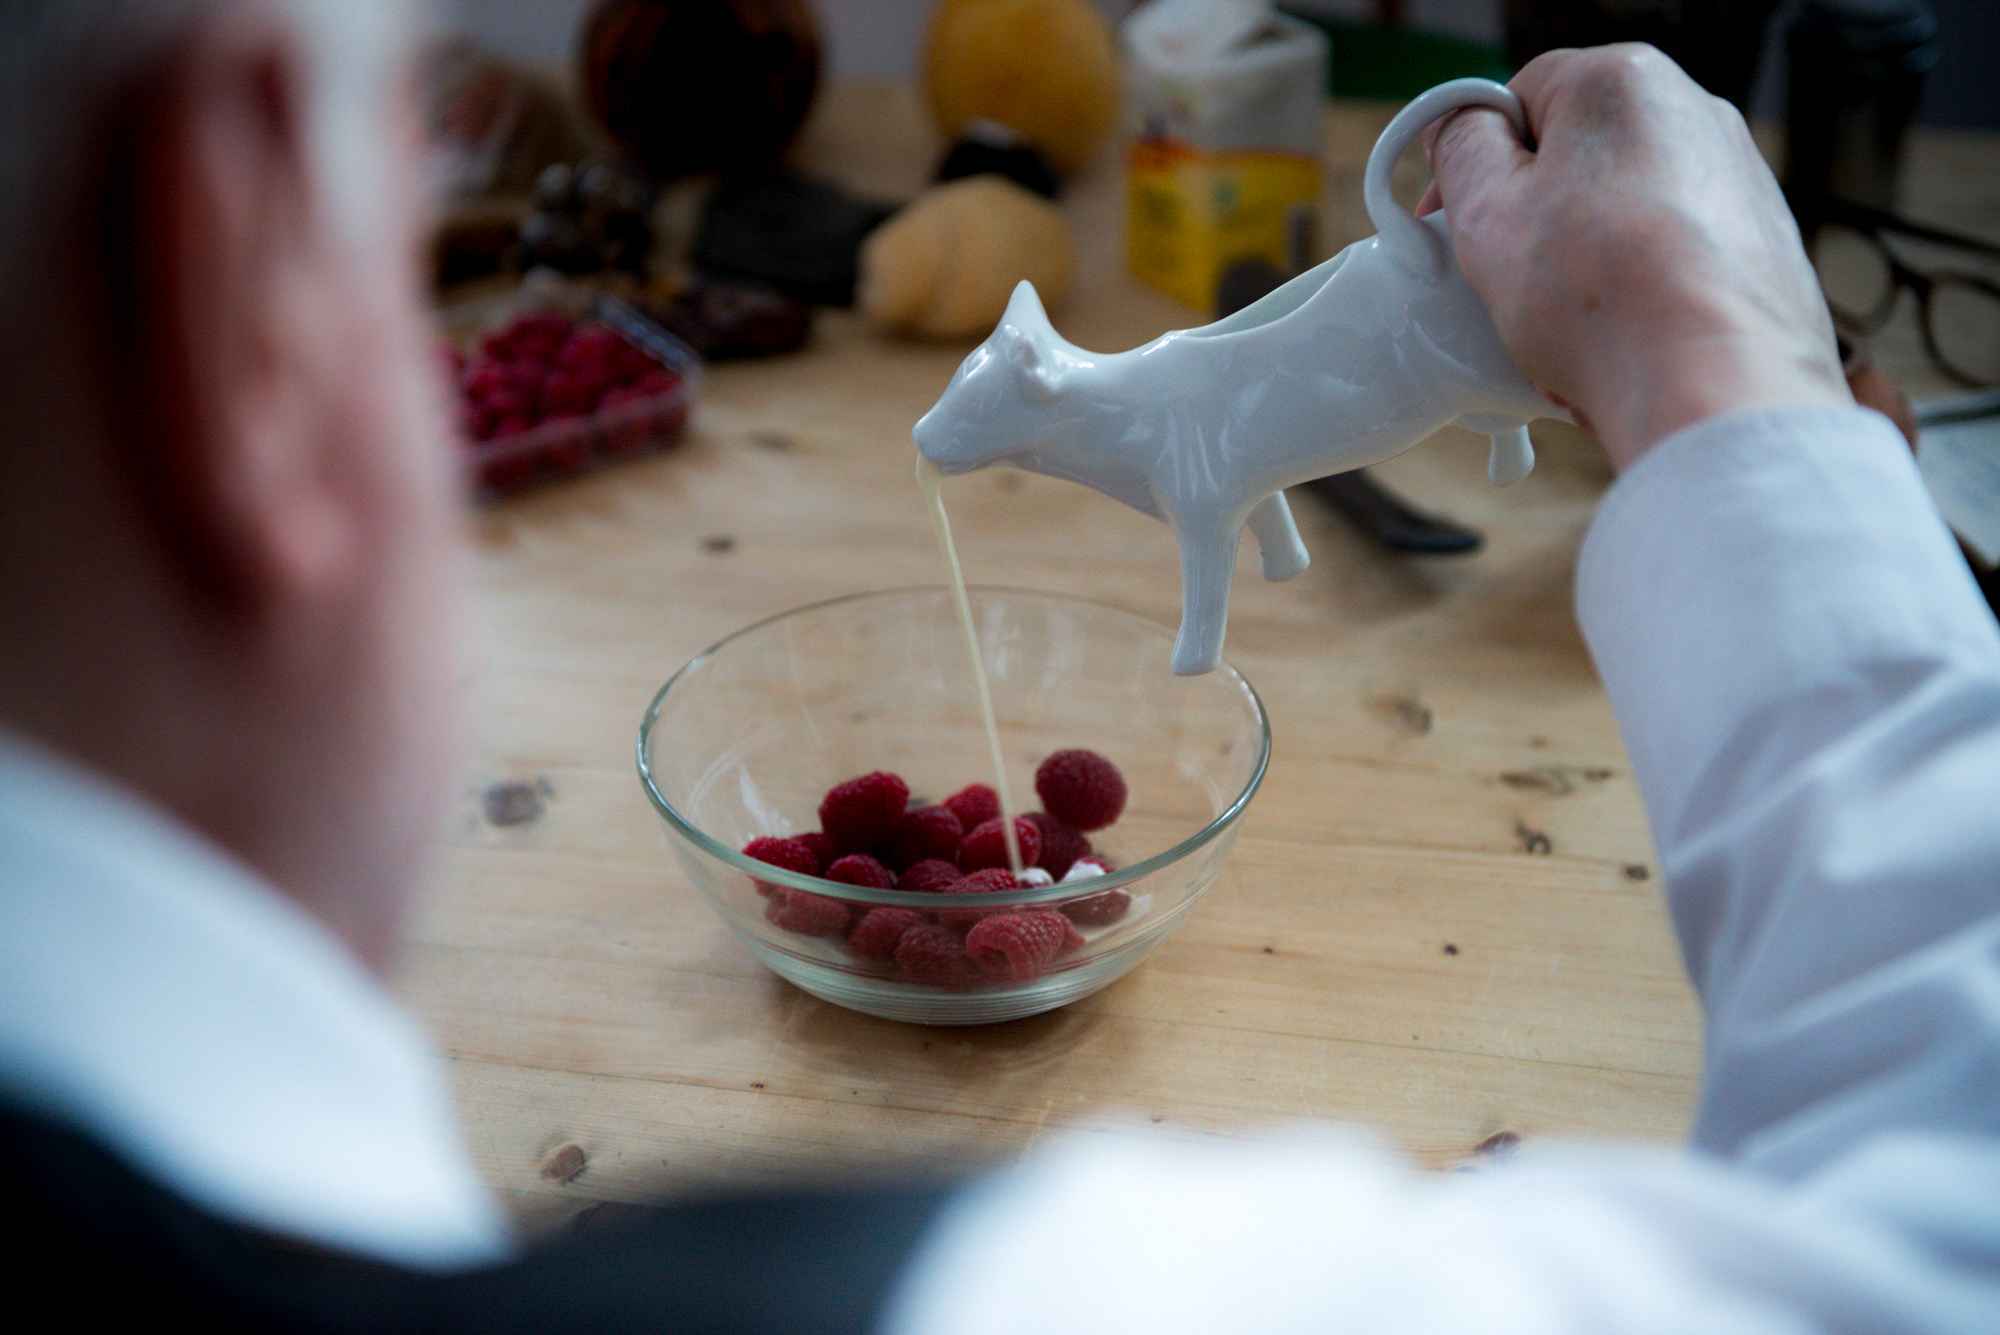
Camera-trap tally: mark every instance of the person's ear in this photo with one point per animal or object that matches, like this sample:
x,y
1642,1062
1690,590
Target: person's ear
x,y
228,457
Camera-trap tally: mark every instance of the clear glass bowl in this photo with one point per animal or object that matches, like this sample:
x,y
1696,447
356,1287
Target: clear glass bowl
x,y
746,738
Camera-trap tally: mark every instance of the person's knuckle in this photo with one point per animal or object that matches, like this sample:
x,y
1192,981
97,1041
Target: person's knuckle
x,y
1643,60
1602,81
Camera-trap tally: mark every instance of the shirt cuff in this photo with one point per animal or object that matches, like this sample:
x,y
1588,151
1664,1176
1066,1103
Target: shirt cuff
x,y
1751,558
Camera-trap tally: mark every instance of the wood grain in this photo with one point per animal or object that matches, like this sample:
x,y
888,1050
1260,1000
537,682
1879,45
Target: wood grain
x,y
1441,917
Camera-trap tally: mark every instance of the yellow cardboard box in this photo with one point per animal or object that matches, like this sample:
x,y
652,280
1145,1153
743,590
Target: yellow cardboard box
x,y
1223,164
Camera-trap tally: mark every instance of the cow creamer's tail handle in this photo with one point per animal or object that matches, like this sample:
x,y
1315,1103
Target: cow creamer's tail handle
x,y
1413,245
1420,250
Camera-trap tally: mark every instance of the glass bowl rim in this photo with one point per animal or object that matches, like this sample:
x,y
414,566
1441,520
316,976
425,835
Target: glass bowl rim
x,y
764,871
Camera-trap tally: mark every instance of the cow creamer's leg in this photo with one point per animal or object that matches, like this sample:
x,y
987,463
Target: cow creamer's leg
x,y
1208,559
1278,541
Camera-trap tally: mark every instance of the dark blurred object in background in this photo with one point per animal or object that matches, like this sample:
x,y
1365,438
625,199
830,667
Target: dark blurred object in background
x,y
1855,72
693,86
988,148
589,217
797,235
725,321
1719,43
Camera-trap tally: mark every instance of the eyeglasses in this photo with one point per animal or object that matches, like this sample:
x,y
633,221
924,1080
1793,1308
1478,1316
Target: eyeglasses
x,y
1864,277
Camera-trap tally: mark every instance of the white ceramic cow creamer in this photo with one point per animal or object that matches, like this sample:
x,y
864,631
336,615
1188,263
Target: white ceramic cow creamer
x,y
1344,366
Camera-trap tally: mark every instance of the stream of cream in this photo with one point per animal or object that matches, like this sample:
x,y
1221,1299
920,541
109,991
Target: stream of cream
x,y
931,480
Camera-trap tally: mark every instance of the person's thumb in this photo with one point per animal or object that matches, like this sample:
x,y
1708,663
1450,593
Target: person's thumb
x,y
1472,151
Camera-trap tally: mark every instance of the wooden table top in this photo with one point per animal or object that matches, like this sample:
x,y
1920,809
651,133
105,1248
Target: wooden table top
x,y
1442,916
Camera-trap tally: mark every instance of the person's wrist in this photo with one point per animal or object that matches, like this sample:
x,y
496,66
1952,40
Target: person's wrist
x,y
1667,389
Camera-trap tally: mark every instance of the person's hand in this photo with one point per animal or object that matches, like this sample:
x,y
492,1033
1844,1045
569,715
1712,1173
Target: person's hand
x,y
1639,260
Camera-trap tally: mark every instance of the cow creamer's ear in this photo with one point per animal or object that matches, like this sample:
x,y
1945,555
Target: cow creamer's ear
x,y
1024,310
1037,371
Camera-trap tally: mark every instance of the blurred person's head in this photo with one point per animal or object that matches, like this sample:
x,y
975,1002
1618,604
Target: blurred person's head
x,y
225,497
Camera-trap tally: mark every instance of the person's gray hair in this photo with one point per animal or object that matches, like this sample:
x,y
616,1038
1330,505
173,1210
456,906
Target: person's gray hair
x,y
59,60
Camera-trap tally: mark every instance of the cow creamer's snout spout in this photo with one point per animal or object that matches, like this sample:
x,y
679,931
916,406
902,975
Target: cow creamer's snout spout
x,y
932,435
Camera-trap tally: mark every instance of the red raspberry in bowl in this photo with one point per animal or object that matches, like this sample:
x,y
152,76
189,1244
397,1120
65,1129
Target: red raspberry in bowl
x,y
1061,846
927,832
876,935
931,954
985,845
932,874
990,881
1099,910
974,804
1016,946
861,813
860,869
790,854
821,846
1081,789
809,914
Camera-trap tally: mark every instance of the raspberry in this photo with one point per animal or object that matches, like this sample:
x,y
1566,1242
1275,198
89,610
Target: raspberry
x,y
821,846
541,327
526,379
974,804
790,854
813,915
927,832
1081,789
1072,939
502,473
655,381
594,348
861,814
569,393
627,428
986,844
1061,846
931,874
507,401
485,379
630,362
1098,910
876,935
987,882
934,955
860,869
1016,946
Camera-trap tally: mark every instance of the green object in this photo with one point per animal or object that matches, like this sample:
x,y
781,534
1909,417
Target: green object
x,y
1395,64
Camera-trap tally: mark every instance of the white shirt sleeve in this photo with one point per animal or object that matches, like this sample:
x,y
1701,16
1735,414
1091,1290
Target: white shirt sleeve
x,y
1809,687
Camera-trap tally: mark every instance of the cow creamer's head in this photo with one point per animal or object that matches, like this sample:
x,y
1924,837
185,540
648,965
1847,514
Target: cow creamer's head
x,y
1002,396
